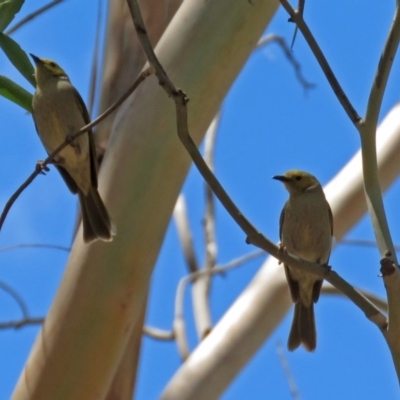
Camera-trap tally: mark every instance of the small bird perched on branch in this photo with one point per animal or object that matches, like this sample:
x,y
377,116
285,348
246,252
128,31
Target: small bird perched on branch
x,y
58,112
305,230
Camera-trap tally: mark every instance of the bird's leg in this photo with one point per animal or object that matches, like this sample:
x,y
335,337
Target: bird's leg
x,y
41,167
281,248
327,268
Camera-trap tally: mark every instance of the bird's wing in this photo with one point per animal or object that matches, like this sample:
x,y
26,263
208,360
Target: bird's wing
x,y
92,147
64,174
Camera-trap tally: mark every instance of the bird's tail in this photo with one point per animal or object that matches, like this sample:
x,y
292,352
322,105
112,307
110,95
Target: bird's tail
x,y
303,328
97,223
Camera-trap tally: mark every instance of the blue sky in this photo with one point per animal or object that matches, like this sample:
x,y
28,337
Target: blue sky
x,y
268,125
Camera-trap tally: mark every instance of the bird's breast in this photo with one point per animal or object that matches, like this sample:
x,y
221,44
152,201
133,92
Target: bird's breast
x,y
306,230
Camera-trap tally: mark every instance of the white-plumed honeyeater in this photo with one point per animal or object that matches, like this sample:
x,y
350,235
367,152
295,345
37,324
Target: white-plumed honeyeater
x,y
305,230
59,111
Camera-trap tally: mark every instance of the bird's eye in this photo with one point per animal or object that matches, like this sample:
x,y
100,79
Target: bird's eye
x,y
298,177
52,64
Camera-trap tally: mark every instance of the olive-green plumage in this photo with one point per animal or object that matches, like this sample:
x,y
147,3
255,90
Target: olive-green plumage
x,y
59,111
306,229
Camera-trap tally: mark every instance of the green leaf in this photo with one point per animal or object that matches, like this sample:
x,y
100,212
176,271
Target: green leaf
x,y
18,57
11,91
8,9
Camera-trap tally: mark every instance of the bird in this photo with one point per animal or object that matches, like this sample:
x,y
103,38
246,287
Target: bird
x,y
58,112
305,231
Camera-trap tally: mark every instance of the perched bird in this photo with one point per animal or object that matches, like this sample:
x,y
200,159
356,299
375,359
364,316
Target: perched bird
x,y
59,111
305,230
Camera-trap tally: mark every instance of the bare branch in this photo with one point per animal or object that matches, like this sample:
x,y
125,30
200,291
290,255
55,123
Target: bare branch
x,y
378,301
179,319
326,69
362,242
209,220
289,55
184,233
35,245
21,323
286,369
13,293
300,9
31,16
158,334
43,165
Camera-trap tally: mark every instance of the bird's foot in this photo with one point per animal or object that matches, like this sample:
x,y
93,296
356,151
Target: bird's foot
x,y
41,167
328,269
281,248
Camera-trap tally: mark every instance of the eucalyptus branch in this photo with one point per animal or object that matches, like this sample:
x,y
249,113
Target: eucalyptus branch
x,y
179,319
378,301
34,245
42,166
296,16
209,219
14,294
286,369
185,234
158,334
253,235
32,15
300,9
368,136
21,323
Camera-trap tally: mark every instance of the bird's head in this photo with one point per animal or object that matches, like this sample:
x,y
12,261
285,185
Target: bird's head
x,y
47,70
298,181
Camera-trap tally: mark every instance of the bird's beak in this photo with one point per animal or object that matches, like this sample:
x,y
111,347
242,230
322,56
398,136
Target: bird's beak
x,y
281,178
36,59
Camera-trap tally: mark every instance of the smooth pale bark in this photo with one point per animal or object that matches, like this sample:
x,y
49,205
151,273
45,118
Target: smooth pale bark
x,y
104,288
157,14
265,302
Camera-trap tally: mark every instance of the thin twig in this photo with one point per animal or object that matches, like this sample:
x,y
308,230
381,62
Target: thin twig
x,y
220,269
185,234
289,55
378,301
209,219
326,69
288,373
179,319
35,245
13,293
300,9
143,75
31,16
253,235
21,323
158,334
361,242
